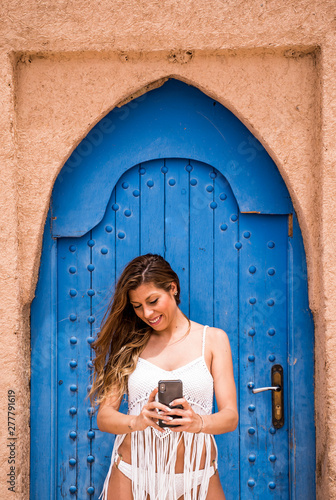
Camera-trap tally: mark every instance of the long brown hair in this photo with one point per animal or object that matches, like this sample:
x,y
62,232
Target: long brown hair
x,y
123,335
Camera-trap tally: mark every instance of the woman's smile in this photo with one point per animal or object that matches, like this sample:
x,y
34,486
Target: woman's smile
x,y
155,321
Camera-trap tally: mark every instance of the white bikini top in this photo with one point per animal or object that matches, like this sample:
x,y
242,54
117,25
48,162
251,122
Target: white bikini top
x,y
197,383
152,449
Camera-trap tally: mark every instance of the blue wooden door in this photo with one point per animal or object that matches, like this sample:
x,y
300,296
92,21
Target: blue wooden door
x,y
243,272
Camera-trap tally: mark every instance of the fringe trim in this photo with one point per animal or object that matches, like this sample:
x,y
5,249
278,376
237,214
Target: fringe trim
x,y
150,453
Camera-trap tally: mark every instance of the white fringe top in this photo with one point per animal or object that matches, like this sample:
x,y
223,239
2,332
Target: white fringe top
x,y
153,451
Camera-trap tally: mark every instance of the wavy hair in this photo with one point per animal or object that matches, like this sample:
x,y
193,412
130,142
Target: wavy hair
x,y
123,335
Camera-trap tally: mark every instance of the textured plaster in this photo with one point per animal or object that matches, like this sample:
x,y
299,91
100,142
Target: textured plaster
x,y
65,65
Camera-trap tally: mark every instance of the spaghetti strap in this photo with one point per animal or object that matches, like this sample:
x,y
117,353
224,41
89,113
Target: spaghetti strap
x,y
203,341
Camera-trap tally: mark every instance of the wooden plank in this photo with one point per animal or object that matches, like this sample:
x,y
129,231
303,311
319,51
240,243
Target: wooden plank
x,y
177,224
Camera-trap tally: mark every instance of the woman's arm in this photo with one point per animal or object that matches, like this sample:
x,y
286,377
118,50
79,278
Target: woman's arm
x,y
226,419
109,419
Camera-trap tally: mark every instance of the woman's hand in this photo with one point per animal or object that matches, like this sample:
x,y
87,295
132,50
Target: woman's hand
x,y
150,414
190,421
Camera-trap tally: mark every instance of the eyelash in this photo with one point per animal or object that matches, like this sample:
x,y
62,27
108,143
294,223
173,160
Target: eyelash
x,y
153,302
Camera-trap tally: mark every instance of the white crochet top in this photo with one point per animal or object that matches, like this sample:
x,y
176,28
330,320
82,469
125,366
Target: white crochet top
x,y
150,447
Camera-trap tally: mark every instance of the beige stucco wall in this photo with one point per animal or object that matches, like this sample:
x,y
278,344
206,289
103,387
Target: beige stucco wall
x,y
64,65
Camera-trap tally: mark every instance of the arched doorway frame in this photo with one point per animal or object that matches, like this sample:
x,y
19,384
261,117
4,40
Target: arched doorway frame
x,y
247,203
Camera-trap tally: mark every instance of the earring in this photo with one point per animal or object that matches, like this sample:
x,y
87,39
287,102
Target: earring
x,y
175,293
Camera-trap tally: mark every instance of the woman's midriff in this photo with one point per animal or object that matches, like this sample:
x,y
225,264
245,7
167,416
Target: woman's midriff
x,y
125,451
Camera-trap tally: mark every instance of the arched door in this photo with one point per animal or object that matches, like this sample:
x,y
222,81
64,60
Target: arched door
x,y
242,272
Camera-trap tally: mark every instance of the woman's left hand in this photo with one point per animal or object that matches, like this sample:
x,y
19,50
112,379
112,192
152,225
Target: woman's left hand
x,y
190,421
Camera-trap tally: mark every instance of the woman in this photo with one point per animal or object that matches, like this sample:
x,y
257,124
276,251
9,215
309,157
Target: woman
x,y
145,338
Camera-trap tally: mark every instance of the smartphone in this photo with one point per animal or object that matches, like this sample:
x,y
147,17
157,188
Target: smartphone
x,y
168,391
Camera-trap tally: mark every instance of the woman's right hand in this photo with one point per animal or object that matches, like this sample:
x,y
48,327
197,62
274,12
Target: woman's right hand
x,y
150,414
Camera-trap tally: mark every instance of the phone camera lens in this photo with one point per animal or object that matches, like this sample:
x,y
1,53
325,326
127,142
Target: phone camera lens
x,y
162,387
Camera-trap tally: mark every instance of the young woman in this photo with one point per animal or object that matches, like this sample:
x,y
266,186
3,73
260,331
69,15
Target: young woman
x,y
145,338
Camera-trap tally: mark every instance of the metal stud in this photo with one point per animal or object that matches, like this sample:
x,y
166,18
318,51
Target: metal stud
x,y
252,458
72,270
251,332
73,340
271,244
209,188
90,267
73,410
90,490
271,332
172,182
251,357
91,243
121,235
73,363
250,385
72,489
73,434
150,184
142,171
72,248
73,317
251,430
73,387
91,292
108,229
189,168
91,319
72,462
213,175
213,205
193,182
252,269
104,250
251,408
246,234
89,387
272,430
271,485
224,227
91,434
272,458
90,365
271,271
238,245
90,340
234,217
90,411
164,170
90,459
271,358
252,300
270,302
73,292
125,185
222,196
251,483
115,207
127,213
136,193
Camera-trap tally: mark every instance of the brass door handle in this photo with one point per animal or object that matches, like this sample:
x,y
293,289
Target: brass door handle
x,y
278,413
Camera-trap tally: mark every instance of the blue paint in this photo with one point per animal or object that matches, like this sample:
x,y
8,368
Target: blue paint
x,y
231,266
173,121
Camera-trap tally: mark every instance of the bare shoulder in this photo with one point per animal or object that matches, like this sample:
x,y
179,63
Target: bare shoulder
x,y
218,340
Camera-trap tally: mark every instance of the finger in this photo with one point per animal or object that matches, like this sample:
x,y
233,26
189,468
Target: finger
x,y
180,401
156,426
178,411
153,394
154,415
159,406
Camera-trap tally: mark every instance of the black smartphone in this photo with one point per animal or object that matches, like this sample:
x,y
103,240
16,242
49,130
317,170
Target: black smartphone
x,y
168,391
